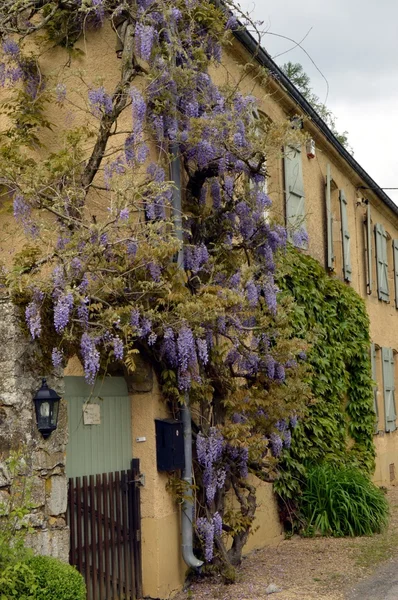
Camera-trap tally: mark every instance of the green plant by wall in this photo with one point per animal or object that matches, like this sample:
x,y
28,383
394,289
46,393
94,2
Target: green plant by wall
x,y
338,425
342,501
56,579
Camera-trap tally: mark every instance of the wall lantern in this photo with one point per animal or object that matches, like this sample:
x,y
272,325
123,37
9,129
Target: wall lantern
x,y
46,404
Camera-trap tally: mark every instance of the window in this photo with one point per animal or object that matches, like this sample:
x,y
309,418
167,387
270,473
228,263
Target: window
x,y
382,263
294,195
389,388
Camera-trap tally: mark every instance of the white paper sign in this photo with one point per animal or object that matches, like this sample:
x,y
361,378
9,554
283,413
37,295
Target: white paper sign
x,y
92,414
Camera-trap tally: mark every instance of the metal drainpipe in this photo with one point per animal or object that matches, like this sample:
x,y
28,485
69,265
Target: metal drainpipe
x,y
187,506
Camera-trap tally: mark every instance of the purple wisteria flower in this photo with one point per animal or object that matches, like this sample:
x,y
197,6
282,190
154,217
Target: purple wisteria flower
x,y
62,311
155,271
300,238
252,293
10,47
60,92
203,352
144,38
118,348
169,351
195,257
83,312
186,348
294,421
91,357
135,318
217,522
57,357
124,214
276,444
206,533
209,452
100,102
32,314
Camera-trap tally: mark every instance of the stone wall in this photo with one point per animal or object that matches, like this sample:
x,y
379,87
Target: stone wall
x,y
39,475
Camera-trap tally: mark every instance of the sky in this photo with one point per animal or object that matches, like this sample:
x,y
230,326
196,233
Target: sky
x,y
354,43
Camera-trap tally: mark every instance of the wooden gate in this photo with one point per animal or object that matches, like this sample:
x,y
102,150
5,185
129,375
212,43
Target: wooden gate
x,y
105,533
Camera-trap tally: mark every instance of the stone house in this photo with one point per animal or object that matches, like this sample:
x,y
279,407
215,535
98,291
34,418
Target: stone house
x,y
353,232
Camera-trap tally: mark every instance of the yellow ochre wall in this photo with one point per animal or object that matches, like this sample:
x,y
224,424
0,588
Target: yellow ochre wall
x,y
163,569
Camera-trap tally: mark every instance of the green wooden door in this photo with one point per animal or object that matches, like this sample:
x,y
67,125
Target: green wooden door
x,y
99,426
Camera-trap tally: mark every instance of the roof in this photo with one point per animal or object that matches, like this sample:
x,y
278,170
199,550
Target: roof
x,y
248,41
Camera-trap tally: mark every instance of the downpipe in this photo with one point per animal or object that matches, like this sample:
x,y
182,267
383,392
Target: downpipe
x,y
187,513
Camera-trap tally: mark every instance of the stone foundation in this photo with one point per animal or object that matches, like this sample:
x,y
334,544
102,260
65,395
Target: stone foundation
x,y
37,477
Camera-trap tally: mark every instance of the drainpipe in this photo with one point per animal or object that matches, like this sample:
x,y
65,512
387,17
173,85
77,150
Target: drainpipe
x,y
187,506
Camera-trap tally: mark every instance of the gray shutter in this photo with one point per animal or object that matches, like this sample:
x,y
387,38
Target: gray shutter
x,y
374,377
347,269
369,252
395,251
329,219
294,190
389,388
381,262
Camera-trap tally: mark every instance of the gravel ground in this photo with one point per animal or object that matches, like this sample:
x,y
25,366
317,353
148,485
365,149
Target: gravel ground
x,y
306,568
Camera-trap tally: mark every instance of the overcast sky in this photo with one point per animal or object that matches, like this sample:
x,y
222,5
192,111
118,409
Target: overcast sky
x,y
354,43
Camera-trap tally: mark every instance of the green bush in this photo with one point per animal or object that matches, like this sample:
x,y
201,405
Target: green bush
x,y
18,581
341,501
56,580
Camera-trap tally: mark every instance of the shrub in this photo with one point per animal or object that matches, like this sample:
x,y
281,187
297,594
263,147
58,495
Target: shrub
x,y
18,581
56,580
342,501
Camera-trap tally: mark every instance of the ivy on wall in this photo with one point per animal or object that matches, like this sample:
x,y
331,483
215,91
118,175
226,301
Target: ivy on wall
x,y
338,425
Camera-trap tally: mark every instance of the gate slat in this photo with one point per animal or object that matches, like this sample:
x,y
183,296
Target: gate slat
x,y
93,538
87,561
136,527
71,523
119,531
125,540
98,489
79,525
106,535
130,492
113,537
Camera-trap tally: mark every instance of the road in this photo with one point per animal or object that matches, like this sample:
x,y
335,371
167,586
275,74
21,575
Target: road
x,y
382,585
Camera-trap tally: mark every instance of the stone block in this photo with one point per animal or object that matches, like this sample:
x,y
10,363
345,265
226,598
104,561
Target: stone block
x,y
57,490
5,477
50,542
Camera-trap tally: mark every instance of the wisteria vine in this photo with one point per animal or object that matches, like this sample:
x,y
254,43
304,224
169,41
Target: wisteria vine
x,y
111,285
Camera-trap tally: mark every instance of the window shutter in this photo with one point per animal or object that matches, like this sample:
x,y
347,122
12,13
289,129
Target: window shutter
x,y
347,270
389,388
329,219
294,190
369,253
395,251
374,377
381,262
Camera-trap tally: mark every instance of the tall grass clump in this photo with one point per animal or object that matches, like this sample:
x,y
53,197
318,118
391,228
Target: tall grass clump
x,y
342,501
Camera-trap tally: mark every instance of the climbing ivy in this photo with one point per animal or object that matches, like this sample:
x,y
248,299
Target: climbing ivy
x,y
339,423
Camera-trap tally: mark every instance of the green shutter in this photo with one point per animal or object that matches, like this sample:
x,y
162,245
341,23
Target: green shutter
x,y
347,270
389,388
395,251
374,377
382,262
369,250
329,219
294,192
